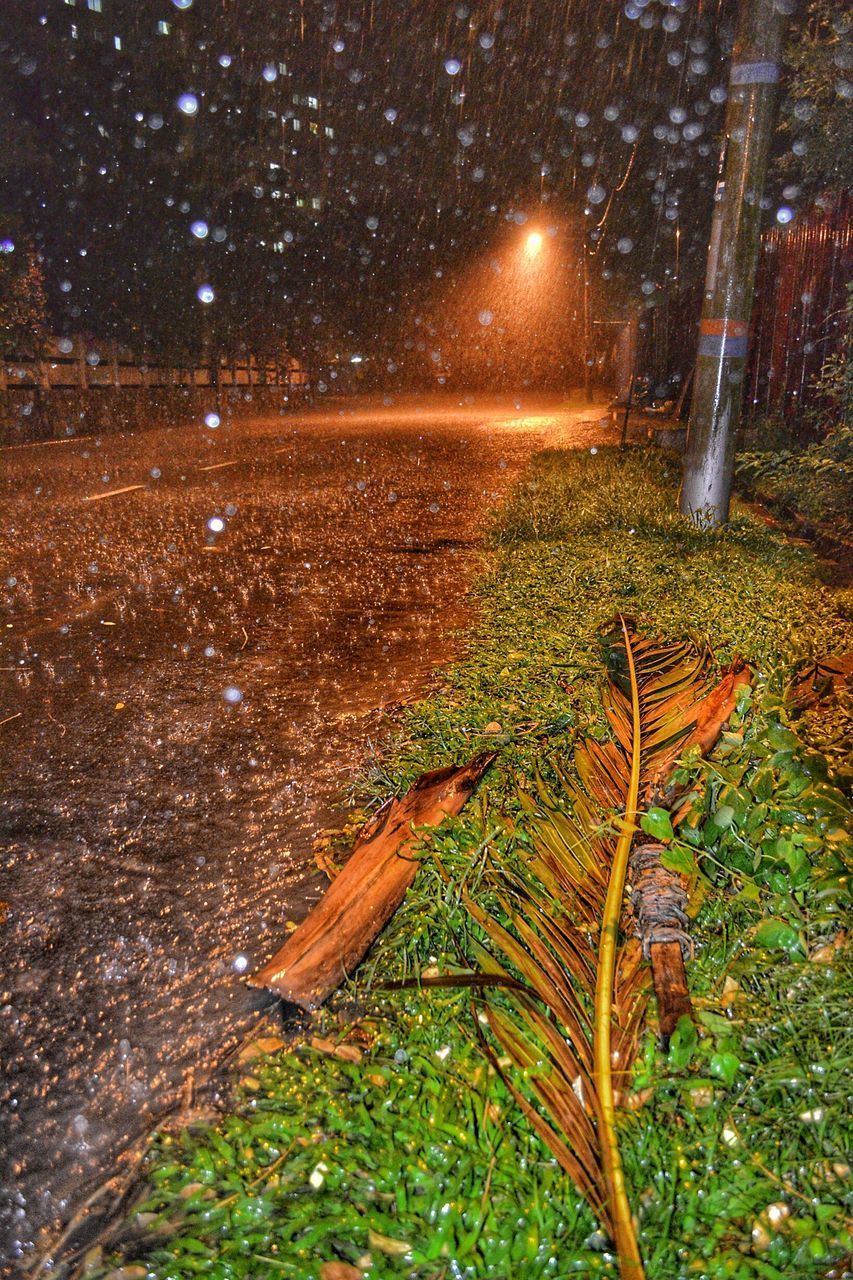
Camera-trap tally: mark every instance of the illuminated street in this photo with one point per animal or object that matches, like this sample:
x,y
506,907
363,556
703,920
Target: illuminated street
x,y
199,666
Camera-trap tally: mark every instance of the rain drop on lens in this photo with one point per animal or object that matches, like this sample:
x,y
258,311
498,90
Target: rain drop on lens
x,y
188,104
212,420
205,294
199,229
232,694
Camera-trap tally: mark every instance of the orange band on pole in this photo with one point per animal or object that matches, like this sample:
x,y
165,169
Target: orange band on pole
x,y
725,327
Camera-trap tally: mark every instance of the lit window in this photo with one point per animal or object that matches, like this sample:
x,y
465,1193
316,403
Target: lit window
x,y
314,103
117,41
329,131
296,99
297,126
71,2
163,28
316,202
282,67
300,202
73,32
95,5
313,126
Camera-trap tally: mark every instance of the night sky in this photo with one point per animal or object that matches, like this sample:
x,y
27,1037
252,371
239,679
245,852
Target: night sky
x,y
191,156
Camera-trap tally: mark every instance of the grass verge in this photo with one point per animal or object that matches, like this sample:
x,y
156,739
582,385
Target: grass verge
x,y
384,1145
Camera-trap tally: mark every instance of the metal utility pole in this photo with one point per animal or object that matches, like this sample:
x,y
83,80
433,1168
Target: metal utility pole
x,y
732,258
587,328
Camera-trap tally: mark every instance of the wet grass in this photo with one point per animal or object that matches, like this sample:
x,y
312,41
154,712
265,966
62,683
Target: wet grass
x,y
390,1147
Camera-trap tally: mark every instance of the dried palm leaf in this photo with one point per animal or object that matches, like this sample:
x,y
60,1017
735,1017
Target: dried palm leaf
x,y
571,1031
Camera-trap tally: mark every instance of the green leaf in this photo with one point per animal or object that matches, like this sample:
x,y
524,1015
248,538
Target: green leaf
x,y
723,817
679,859
724,1066
683,1044
777,935
781,739
656,823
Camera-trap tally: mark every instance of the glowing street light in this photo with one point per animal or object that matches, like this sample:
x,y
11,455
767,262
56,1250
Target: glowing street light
x,y
534,244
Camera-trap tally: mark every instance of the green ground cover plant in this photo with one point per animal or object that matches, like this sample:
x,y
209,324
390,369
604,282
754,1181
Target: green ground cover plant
x,y
383,1143
815,483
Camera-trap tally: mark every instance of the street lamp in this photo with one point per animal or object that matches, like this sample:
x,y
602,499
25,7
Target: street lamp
x,y
534,244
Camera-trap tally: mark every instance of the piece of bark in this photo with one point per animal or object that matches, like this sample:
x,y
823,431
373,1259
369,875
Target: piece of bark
x,y
326,947
659,908
670,981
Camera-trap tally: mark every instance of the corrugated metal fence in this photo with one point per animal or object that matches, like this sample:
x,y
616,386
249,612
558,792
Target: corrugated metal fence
x,y
799,317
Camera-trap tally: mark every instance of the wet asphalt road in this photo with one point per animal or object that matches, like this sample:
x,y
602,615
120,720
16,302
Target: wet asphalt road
x,y
192,672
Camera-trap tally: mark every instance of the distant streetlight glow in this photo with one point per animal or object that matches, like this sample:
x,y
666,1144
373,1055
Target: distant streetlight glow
x,y
534,244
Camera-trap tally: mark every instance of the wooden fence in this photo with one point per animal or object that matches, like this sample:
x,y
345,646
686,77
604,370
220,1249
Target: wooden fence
x,y
69,364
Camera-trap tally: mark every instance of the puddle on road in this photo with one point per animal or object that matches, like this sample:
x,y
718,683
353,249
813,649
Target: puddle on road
x,y
168,772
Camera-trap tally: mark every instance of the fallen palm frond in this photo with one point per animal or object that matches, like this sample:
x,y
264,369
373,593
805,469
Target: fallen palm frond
x,y
572,1033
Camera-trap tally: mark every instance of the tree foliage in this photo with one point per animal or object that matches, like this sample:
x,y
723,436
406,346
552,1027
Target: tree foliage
x,y
22,297
816,111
